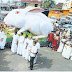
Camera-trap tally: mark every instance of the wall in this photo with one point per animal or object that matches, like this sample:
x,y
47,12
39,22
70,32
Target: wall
x,y
70,11
58,13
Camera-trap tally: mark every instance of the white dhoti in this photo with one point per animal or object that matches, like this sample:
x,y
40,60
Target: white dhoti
x,y
30,44
38,48
66,52
24,50
20,45
61,46
60,49
3,42
19,49
14,47
14,43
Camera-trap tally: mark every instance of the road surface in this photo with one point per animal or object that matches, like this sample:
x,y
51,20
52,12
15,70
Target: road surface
x,y
48,60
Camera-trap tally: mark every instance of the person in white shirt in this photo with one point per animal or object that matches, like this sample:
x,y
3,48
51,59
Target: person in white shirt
x,y
38,48
2,39
24,50
33,54
61,45
66,51
30,44
20,44
14,43
71,52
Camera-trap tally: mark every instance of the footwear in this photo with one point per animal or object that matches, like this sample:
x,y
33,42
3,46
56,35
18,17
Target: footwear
x,y
31,69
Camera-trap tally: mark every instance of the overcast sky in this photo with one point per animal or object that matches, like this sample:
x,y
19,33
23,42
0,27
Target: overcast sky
x,y
57,1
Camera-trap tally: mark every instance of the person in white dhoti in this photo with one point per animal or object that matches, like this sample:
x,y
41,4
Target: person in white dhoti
x,y
14,43
2,39
30,44
67,51
20,44
71,50
24,50
61,45
38,48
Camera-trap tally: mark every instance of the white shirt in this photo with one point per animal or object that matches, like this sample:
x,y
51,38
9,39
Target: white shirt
x,y
38,45
15,38
30,44
34,50
21,39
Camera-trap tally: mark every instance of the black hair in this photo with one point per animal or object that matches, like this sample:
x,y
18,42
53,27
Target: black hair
x,y
26,36
34,42
21,33
15,32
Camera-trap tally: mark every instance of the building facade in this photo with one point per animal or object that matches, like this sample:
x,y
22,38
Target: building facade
x,y
58,13
34,3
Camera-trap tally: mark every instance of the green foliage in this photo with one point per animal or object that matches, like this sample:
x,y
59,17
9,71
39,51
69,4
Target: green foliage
x,y
48,4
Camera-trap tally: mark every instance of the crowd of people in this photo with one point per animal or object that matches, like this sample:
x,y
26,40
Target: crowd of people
x,y
60,40
26,47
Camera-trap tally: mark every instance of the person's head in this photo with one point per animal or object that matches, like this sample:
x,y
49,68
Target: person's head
x,y
34,43
26,36
64,37
51,31
21,34
15,32
30,37
36,40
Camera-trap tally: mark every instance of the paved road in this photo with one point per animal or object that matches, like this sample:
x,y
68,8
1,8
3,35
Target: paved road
x,y
48,60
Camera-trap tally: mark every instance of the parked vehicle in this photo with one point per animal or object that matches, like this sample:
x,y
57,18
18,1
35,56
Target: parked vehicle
x,y
53,19
69,18
63,21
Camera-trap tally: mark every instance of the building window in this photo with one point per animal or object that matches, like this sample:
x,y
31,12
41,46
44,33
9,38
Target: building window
x,y
61,11
36,5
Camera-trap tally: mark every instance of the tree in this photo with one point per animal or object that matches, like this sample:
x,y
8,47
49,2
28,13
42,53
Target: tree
x,y
48,4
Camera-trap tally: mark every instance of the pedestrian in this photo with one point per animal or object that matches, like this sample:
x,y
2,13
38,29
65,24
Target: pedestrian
x,y
25,44
50,39
2,39
33,54
20,44
38,48
55,42
30,44
15,42
67,50
61,45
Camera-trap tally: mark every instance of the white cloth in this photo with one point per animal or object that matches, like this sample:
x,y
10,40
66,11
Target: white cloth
x,y
24,50
66,52
61,46
30,44
38,48
71,54
14,43
20,45
33,51
2,43
38,45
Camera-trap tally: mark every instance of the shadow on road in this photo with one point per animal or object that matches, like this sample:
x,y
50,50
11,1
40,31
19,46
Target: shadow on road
x,y
3,62
43,62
